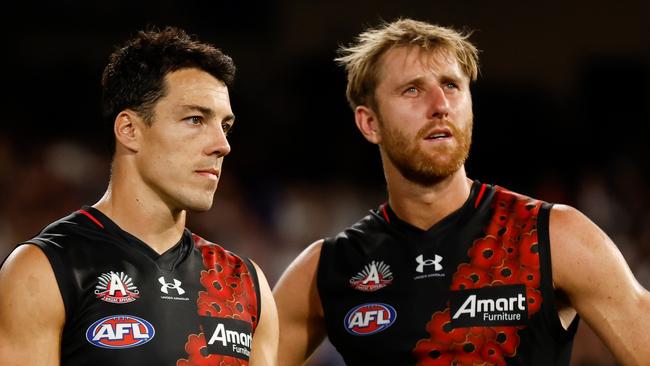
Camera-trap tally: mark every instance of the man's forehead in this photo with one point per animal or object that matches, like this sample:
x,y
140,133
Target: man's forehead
x,y
194,91
194,78
187,85
404,61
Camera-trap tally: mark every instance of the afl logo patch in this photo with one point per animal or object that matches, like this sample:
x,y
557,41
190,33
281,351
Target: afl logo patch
x,y
120,331
369,318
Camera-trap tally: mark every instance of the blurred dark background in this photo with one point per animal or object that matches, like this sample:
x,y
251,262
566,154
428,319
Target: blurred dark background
x,y
562,112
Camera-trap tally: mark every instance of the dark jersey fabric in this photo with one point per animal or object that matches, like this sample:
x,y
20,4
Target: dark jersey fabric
x,y
196,304
475,288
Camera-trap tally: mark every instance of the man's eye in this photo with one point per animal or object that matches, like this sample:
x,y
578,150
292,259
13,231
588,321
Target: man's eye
x,y
411,90
195,120
451,85
226,127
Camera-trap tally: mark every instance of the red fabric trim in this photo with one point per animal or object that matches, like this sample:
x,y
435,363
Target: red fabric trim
x,y
384,213
91,217
480,195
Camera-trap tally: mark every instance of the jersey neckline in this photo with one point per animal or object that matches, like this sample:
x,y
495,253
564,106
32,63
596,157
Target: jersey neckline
x,y
168,260
390,218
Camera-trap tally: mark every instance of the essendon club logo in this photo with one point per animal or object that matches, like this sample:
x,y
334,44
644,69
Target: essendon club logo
x,y
116,288
489,306
372,277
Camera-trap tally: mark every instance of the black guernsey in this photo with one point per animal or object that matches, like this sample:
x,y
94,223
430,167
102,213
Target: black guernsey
x,y
196,304
475,288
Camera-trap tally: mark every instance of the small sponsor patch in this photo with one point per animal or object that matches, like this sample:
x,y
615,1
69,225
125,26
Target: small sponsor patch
x,y
428,267
172,290
228,337
374,276
120,331
489,306
369,318
116,288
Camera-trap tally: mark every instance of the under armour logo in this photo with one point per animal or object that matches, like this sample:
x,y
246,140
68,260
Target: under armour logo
x,y
427,262
173,286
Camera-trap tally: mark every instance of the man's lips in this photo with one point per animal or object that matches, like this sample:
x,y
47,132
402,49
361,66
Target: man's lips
x,y
209,173
438,133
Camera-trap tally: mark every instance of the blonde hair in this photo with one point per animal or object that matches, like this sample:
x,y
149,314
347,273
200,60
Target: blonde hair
x,y
361,59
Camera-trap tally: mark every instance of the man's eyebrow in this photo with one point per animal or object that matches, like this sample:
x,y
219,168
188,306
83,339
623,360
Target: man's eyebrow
x,y
229,118
207,112
417,81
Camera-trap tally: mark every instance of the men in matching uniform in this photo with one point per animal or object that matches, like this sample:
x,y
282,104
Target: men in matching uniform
x,y
450,271
123,281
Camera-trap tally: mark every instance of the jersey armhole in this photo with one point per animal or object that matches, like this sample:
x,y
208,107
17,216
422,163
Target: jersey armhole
x,y
551,314
256,283
60,271
322,276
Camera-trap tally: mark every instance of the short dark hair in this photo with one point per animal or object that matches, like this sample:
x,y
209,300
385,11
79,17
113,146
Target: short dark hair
x,y
135,74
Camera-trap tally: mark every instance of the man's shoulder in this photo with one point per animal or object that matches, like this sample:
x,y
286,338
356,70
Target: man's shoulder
x,y
62,231
368,224
201,243
505,193
51,248
363,235
216,253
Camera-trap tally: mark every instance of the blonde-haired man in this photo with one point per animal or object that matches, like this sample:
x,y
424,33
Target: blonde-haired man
x,y
450,271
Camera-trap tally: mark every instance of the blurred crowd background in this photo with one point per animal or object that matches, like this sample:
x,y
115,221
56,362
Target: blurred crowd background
x,y
562,113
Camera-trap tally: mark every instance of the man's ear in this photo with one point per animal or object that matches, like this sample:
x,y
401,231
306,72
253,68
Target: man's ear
x,y
368,123
127,127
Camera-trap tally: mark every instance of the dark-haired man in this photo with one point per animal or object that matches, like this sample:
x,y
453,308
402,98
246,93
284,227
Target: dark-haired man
x,y
123,282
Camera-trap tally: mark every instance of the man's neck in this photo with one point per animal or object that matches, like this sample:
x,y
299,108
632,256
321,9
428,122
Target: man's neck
x,y
146,218
424,206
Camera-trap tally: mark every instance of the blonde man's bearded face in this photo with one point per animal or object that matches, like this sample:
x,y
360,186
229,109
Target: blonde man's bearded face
x,y
424,112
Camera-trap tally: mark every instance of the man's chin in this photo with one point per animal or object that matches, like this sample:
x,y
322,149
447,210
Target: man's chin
x,y
201,208
428,178
430,174
199,205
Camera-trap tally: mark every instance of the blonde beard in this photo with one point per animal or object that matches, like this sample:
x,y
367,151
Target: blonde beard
x,y
420,167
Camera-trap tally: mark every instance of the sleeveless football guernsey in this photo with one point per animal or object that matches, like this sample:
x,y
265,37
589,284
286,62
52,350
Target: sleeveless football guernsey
x,y
475,288
125,304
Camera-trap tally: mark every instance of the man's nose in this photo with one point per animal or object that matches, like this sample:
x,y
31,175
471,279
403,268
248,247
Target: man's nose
x,y
218,142
438,103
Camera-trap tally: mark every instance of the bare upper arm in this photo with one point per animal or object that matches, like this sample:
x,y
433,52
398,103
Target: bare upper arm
x,y
32,314
590,270
299,308
265,341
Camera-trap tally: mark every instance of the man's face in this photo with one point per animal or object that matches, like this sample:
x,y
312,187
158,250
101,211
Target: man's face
x,y
182,151
425,113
